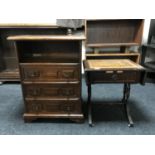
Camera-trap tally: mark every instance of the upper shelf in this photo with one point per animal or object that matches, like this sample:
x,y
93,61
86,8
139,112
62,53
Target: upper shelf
x,y
46,37
111,44
113,32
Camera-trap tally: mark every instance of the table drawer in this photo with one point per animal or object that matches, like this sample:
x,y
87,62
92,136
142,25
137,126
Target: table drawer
x,y
115,76
50,72
52,90
53,106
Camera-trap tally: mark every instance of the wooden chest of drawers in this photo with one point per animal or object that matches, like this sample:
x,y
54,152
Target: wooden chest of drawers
x,y
50,69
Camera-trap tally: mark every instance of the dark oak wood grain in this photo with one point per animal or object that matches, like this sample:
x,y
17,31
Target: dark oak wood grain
x,y
50,71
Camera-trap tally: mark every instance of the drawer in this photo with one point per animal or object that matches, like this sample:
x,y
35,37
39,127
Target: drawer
x,y
53,106
50,72
52,90
133,76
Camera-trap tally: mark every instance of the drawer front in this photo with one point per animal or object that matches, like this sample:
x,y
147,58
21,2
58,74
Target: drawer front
x,y
52,90
50,73
115,76
53,106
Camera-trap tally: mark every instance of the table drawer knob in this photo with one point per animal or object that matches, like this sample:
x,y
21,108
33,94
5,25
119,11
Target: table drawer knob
x,y
109,72
114,76
119,72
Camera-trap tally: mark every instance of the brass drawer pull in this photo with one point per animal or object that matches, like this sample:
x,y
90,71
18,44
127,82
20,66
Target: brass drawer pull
x,y
36,92
67,74
36,108
35,74
68,92
109,72
68,108
119,72
37,55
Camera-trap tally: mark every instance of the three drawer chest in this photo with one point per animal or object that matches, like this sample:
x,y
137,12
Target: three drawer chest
x,y
50,70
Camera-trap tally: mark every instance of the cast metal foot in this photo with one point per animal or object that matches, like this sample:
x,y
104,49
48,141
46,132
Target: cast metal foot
x,y
131,124
1,83
90,121
91,125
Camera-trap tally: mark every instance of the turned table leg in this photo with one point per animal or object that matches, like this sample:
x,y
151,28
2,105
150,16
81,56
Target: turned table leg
x,y
126,95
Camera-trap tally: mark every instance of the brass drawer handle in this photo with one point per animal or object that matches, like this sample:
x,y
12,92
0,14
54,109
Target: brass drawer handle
x,y
67,74
67,92
68,108
35,74
36,92
109,72
119,72
36,108
36,54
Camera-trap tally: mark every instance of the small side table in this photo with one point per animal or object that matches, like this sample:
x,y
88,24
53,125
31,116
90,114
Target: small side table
x,y
113,71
